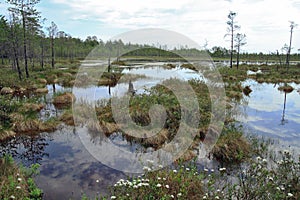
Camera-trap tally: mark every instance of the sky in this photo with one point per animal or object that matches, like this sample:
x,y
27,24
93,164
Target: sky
x,y
265,22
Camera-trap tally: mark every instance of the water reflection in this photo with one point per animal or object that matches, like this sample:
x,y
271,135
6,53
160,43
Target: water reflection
x,y
283,120
268,111
26,149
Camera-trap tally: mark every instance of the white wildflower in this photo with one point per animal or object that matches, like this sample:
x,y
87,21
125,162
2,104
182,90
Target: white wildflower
x,y
222,169
172,196
113,197
217,197
146,168
280,162
258,158
290,195
18,187
179,194
277,188
167,186
150,161
158,185
140,184
175,171
187,169
158,178
286,152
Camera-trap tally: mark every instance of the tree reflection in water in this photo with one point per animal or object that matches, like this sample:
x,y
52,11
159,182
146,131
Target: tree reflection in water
x,y
26,149
283,120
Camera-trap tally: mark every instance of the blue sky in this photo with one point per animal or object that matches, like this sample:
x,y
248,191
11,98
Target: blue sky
x,y
265,22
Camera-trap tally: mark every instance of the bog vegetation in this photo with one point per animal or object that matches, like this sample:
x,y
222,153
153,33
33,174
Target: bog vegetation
x,y
35,59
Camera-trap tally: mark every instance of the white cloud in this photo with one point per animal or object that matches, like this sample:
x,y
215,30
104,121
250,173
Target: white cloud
x,y
265,22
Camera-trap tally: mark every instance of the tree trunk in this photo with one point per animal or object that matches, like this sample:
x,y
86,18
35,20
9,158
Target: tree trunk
x,y
2,59
289,50
42,57
14,40
52,53
25,44
279,60
231,51
238,58
16,60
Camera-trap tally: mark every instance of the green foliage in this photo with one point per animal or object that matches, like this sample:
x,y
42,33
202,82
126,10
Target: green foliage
x,y
231,147
16,182
180,183
258,178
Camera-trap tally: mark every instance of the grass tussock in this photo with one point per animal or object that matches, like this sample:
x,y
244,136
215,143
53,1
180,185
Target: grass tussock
x,y
33,126
286,88
232,147
64,100
67,118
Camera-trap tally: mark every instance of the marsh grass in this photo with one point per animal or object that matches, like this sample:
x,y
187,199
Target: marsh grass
x,y
140,105
180,183
232,147
256,178
16,182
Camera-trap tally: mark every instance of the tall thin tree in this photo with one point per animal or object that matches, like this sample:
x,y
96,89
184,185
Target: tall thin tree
x,y
14,39
25,9
52,29
240,40
292,26
232,27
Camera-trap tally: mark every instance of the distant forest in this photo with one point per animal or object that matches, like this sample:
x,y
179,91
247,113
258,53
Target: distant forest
x,y
25,41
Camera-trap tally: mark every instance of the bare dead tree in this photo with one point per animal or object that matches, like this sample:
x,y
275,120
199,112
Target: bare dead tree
x,y
292,26
240,40
232,27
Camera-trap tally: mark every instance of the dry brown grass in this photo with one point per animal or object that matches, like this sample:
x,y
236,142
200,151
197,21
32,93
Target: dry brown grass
x,y
231,148
33,126
63,100
286,88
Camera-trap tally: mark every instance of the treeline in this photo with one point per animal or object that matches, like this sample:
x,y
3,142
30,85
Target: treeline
x,y
26,43
278,56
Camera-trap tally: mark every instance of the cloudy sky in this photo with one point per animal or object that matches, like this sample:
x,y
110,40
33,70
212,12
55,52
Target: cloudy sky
x,y
265,22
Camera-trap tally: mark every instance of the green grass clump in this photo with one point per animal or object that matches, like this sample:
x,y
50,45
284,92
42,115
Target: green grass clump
x,y
232,147
16,182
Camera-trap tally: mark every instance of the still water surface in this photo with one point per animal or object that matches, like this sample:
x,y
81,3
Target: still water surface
x,y
68,170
